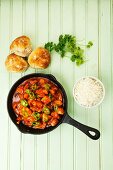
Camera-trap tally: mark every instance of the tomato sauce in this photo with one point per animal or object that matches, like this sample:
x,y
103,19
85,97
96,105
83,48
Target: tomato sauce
x,y
38,103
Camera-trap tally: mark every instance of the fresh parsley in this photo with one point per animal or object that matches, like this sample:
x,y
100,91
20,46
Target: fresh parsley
x,y
68,44
89,44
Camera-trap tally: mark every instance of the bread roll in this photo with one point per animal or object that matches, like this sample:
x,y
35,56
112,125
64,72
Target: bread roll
x,y
15,63
21,46
39,58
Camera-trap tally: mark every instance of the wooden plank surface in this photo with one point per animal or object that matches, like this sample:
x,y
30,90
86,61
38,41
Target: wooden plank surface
x,y
66,148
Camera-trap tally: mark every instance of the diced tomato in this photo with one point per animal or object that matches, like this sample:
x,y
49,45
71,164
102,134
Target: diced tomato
x,y
54,122
39,104
20,90
26,96
34,103
26,86
14,105
19,106
28,110
40,92
55,115
19,119
33,81
60,111
54,88
49,117
33,109
59,96
17,111
58,102
42,125
45,91
36,109
30,102
20,96
52,91
29,120
46,100
41,81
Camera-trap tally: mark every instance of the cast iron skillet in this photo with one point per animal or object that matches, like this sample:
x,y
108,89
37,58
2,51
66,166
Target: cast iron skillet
x,y
89,131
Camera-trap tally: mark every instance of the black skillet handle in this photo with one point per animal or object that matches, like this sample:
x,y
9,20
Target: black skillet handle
x,y
89,131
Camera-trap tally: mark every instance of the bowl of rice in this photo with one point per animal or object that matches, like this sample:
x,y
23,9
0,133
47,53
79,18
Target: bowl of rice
x,y
89,92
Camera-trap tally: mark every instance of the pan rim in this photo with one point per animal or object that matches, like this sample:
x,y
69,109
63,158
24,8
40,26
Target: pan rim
x,y
23,128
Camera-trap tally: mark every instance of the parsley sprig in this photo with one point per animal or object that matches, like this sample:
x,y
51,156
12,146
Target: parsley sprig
x,y
68,44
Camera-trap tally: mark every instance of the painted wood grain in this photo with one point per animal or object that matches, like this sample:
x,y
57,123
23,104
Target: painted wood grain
x,y
66,80
105,73
4,79
14,32
92,69
54,31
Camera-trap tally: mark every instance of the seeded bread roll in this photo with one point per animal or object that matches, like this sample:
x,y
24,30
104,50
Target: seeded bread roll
x,y
21,46
39,58
15,63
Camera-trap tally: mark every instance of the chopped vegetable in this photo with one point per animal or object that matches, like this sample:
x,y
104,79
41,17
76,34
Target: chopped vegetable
x,y
28,91
44,117
47,86
57,102
46,110
26,96
37,115
68,44
55,107
50,95
24,103
54,122
31,94
60,111
36,123
24,112
40,103
34,87
55,115
46,99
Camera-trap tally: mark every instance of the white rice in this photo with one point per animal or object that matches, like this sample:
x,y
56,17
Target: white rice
x,y
88,92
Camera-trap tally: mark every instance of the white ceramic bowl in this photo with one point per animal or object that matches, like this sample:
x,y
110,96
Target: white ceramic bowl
x,y
101,84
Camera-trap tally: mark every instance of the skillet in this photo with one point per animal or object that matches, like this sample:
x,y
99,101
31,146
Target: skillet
x,y
89,131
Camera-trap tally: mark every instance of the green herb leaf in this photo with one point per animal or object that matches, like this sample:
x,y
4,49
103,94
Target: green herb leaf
x,y
90,44
73,58
50,46
68,44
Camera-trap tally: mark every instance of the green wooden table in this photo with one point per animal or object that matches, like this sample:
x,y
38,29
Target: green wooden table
x,y
66,148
